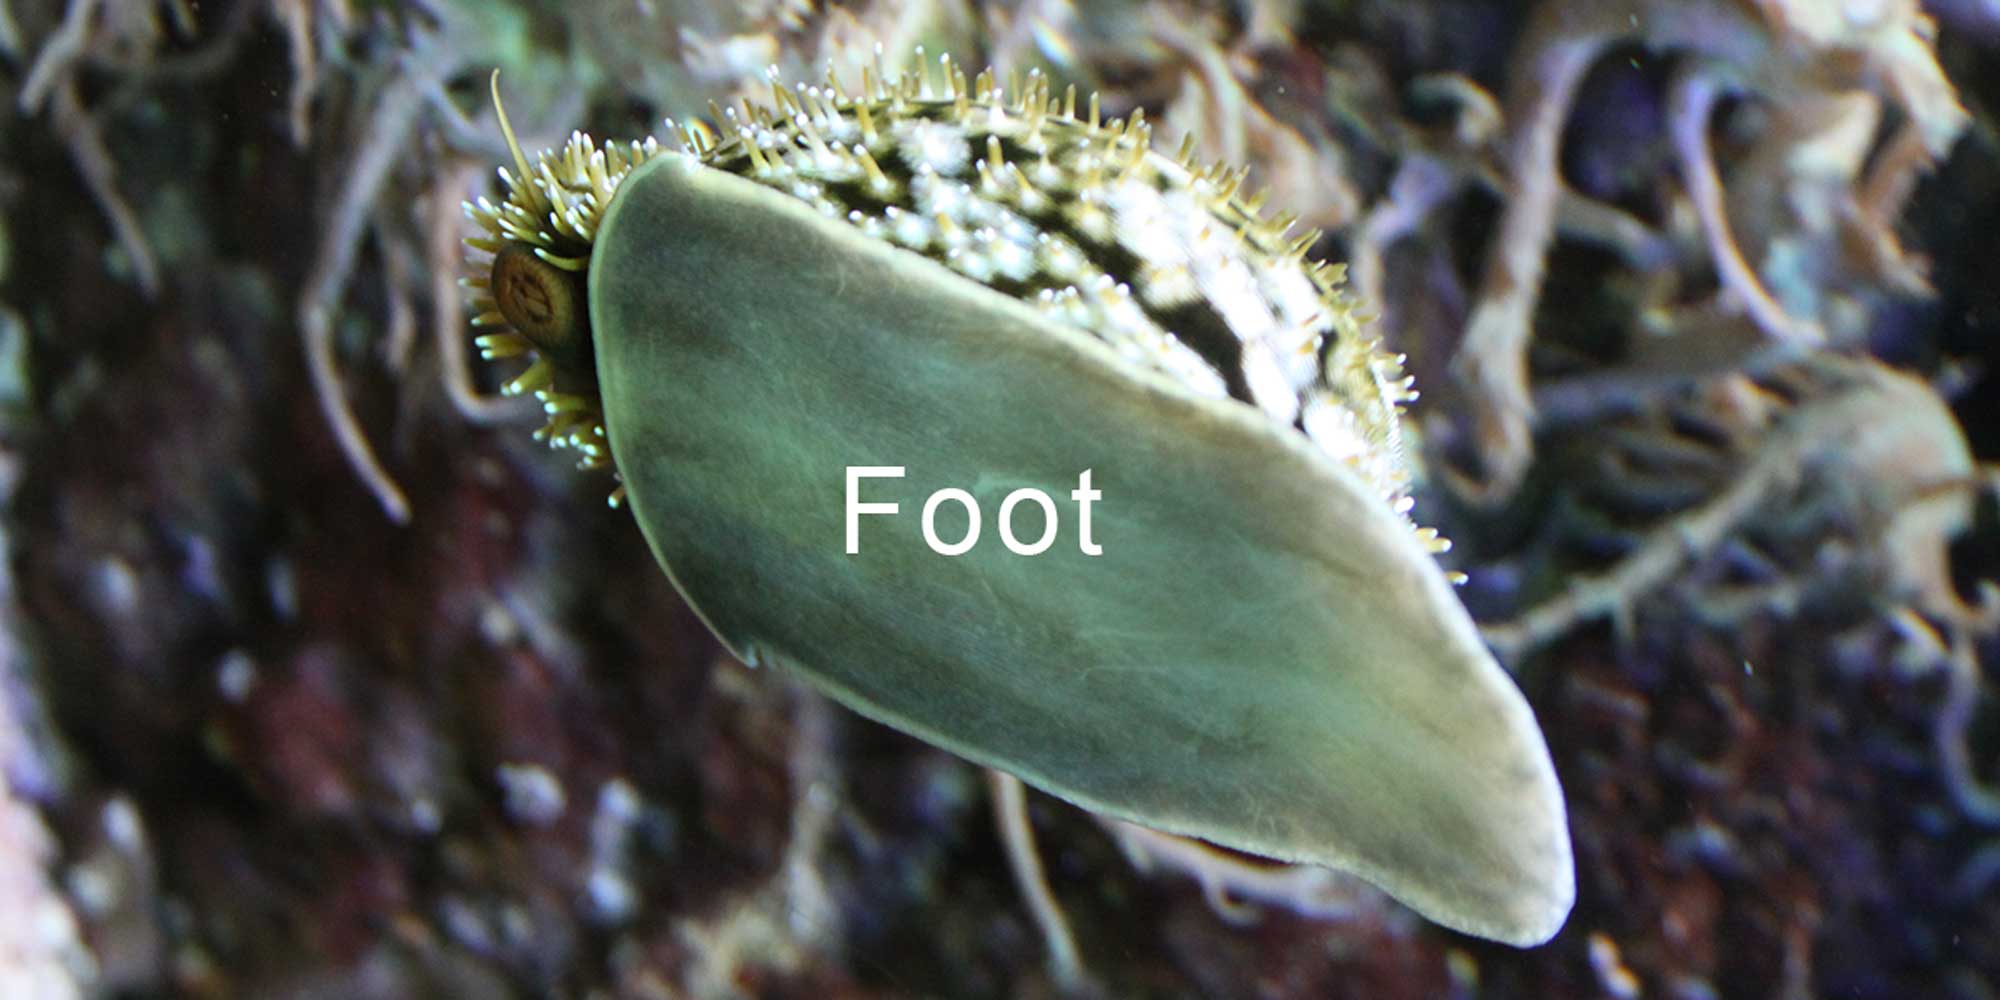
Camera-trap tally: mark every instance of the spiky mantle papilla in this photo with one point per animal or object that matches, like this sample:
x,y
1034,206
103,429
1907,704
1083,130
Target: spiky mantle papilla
x,y
1170,262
